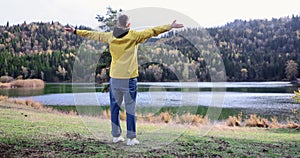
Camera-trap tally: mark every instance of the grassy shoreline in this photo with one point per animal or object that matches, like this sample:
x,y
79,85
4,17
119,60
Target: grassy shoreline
x,y
281,115
30,132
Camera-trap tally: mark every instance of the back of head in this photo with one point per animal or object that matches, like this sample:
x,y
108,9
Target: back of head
x,y
122,27
123,21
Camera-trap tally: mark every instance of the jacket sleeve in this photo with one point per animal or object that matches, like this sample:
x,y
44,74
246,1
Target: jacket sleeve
x,y
95,35
148,33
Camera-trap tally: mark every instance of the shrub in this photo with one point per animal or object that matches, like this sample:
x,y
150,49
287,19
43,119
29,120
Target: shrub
x,y
3,98
252,121
106,114
292,124
149,117
6,79
234,121
296,111
73,113
37,105
29,83
19,101
139,117
123,115
177,119
265,123
199,119
29,102
5,85
274,123
256,121
166,117
186,118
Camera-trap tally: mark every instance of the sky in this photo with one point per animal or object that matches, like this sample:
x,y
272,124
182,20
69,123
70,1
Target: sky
x,y
206,13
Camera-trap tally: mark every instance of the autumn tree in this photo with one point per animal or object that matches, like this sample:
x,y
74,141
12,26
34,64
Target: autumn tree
x,y
244,73
291,70
108,21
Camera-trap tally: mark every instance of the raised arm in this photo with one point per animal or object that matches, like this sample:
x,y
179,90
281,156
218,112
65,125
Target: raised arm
x,y
155,31
94,35
176,25
69,29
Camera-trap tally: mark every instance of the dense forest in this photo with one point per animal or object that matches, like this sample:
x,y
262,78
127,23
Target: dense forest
x,y
255,50
261,47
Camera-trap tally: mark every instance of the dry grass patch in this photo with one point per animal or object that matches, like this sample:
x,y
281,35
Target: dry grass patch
x,y
189,118
106,114
29,103
28,83
19,101
6,79
274,123
199,119
234,121
123,115
256,121
3,98
149,118
292,124
73,113
139,117
165,117
5,85
37,105
185,118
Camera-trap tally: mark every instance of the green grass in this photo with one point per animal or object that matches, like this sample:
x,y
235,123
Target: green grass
x,y
26,132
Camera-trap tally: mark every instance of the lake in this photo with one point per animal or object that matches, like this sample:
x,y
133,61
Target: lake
x,y
263,97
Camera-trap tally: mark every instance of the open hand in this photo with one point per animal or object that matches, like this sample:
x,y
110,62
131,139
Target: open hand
x,y
176,25
69,29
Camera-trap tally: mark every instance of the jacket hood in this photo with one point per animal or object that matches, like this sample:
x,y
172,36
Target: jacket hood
x,y
120,32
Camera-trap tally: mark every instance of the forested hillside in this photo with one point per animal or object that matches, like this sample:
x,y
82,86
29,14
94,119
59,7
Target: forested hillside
x,y
261,47
256,50
38,50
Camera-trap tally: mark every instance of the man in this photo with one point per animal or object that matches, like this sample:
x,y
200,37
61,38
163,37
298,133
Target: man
x,y
123,45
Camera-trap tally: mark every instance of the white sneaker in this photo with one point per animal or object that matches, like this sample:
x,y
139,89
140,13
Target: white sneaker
x,y
133,141
118,139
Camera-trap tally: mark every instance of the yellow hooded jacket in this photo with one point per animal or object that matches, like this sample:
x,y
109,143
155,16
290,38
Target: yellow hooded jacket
x,y
124,64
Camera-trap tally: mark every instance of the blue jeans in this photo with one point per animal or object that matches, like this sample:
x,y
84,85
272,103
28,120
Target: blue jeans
x,y
123,89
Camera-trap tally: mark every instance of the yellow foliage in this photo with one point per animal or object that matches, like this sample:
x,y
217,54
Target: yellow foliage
x,y
150,117
106,114
123,115
186,118
296,97
166,117
3,98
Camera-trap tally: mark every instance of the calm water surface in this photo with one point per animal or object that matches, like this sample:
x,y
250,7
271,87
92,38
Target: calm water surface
x,y
266,95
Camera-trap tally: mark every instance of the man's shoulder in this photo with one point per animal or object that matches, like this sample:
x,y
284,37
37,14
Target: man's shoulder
x,y
133,32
